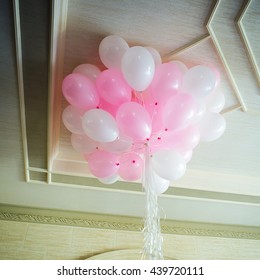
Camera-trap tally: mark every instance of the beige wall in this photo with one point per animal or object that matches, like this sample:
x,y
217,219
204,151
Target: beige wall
x,y
20,240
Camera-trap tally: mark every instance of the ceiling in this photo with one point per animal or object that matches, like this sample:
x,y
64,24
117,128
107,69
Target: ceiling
x,y
46,41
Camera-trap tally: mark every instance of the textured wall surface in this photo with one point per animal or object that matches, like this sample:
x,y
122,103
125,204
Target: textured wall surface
x,y
37,241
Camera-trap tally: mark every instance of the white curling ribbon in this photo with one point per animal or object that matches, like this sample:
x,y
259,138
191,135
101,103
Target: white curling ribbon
x,y
153,240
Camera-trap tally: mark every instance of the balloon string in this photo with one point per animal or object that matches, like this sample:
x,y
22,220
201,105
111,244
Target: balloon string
x,y
152,230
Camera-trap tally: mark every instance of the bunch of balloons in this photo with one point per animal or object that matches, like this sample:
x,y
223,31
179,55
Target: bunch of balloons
x,y
140,105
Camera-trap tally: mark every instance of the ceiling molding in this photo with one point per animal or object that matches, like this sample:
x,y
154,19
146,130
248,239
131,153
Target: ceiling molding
x,y
89,220
242,29
218,45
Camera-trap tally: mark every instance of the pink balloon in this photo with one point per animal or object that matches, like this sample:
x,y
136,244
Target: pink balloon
x,y
167,81
103,164
113,88
182,140
179,111
80,91
104,105
134,121
83,144
72,119
88,70
181,66
131,167
154,110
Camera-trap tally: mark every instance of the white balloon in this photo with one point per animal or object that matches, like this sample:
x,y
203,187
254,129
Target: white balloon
x,y
121,144
169,164
216,102
111,50
100,126
187,155
159,184
72,117
89,70
138,67
200,112
199,81
211,127
83,144
156,56
109,180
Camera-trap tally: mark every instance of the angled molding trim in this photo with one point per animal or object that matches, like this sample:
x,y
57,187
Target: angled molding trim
x,y
222,56
244,37
89,220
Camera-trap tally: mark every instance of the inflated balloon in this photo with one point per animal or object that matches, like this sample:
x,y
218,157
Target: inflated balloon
x,y
131,166
122,144
109,180
156,56
180,65
80,91
103,164
167,81
113,88
138,67
179,111
211,127
199,81
140,114
158,184
108,107
155,111
134,121
182,140
83,144
187,155
168,164
88,70
216,73
200,112
216,102
100,126
111,50
72,119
